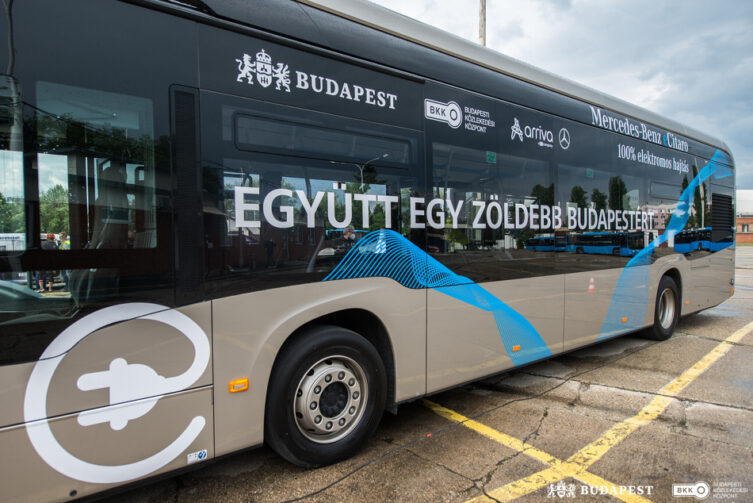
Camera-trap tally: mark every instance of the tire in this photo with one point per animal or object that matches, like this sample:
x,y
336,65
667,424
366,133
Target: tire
x,y
666,311
341,375
579,250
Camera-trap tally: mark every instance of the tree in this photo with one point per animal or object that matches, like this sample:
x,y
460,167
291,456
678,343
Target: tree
x,y
617,191
53,210
599,199
543,195
523,236
579,197
11,214
6,214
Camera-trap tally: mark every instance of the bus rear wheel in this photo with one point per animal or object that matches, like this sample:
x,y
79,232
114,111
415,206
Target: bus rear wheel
x,y
325,397
666,312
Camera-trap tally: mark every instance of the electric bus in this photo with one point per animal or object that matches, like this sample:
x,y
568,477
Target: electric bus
x,y
283,218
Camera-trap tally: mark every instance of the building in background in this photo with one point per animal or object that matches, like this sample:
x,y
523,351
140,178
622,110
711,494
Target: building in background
x,y
744,225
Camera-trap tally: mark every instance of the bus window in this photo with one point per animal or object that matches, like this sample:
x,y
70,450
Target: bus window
x,y
93,175
96,174
301,232
468,180
262,134
286,197
12,213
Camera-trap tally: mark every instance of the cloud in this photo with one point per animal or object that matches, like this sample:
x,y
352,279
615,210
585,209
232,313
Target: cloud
x,y
691,61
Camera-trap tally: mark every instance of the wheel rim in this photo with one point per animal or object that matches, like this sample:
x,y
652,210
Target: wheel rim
x,y
330,399
667,308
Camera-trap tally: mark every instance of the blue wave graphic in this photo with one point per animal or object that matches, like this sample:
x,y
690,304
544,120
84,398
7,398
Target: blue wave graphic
x,y
630,298
387,254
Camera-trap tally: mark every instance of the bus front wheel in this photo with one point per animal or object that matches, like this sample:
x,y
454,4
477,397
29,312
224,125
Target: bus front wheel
x,y
666,312
325,396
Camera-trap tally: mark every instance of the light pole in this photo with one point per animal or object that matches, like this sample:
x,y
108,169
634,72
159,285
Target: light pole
x,y
361,167
482,23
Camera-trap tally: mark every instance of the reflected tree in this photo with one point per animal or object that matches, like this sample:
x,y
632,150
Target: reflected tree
x,y
543,195
53,210
11,214
617,192
599,199
579,196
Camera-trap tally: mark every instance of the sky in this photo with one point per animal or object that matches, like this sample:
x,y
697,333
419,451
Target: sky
x,y
689,60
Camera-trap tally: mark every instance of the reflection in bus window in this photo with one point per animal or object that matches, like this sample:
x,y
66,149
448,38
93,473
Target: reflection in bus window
x,y
474,239
295,225
94,176
12,215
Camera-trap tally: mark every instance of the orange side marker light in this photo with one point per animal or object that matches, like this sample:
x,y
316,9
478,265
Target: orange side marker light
x,y
516,348
624,320
238,385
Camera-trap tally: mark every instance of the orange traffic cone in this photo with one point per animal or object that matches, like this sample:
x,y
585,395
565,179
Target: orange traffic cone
x,y
591,286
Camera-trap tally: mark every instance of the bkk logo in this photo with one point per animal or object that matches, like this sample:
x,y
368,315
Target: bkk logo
x,y
449,113
134,390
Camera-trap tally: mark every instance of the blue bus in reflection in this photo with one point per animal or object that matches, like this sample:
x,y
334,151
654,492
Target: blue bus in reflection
x,y
542,243
698,239
622,244
558,242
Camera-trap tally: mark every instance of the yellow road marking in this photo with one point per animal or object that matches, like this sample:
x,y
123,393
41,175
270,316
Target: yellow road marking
x,y
576,466
522,487
504,439
558,469
595,450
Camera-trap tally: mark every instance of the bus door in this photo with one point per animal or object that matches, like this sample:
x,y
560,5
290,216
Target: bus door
x,y
496,303
105,379
594,190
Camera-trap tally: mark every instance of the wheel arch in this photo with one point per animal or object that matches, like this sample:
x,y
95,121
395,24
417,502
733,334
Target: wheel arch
x,y
364,323
674,273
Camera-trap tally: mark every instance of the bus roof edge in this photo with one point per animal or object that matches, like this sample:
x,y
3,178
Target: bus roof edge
x,y
396,24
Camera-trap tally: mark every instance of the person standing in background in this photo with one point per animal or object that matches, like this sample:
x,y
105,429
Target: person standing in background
x,y
65,244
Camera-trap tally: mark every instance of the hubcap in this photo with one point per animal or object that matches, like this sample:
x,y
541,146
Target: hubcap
x,y
667,308
330,399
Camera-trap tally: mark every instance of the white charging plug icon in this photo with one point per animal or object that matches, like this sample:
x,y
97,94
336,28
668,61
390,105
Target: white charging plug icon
x,y
127,382
134,391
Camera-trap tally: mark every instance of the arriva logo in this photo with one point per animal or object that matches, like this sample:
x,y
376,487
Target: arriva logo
x,y
127,383
543,137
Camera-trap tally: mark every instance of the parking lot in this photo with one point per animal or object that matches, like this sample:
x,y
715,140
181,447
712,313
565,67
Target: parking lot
x,y
623,420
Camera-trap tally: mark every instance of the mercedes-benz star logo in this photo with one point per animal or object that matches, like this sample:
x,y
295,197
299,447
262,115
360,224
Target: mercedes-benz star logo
x,y
564,138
